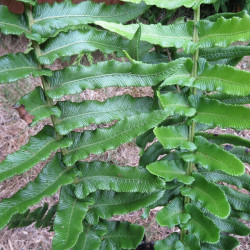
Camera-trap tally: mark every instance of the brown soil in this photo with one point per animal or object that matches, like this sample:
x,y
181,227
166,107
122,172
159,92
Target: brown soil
x,y
14,132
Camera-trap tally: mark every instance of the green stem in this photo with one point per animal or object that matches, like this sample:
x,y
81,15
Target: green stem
x,y
45,84
191,128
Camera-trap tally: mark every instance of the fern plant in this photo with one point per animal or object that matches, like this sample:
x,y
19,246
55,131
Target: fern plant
x,y
195,89
204,92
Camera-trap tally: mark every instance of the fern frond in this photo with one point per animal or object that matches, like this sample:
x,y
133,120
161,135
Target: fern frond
x,y
36,105
38,149
109,203
104,176
170,170
14,67
76,115
215,113
68,221
73,80
209,194
101,140
52,177
49,20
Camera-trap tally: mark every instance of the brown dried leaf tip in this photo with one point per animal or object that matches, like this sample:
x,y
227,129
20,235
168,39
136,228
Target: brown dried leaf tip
x,y
23,114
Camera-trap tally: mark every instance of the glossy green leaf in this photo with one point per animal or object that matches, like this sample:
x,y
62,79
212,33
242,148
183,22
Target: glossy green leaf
x,y
36,105
225,79
109,203
134,45
223,32
230,225
152,153
101,140
229,99
104,176
213,157
209,194
14,24
79,41
174,137
170,170
121,235
73,80
68,220
168,243
172,4
242,181
52,177
38,149
179,35
76,115
237,200
225,138
226,242
90,238
240,152
18,66
201,226
172,214
167,196
177,102
215,113
49,20
189,242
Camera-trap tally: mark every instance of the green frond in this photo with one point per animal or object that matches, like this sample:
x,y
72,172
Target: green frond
x,y
229,99
38,149
215,113
170,170
230,225
32,2
242,181
42,216
225,79
174,137
121,235
167,243
73,80
101,140
223,32
90,238
18,66
237,200
14,24
190,242
109,203
172,4
172,214
79,41
177,102
213,157
226,242
104,176
209,194
174,35
152,153
49,20
225,139
77,115
36,105
201,226
68,221
241,153
52,177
